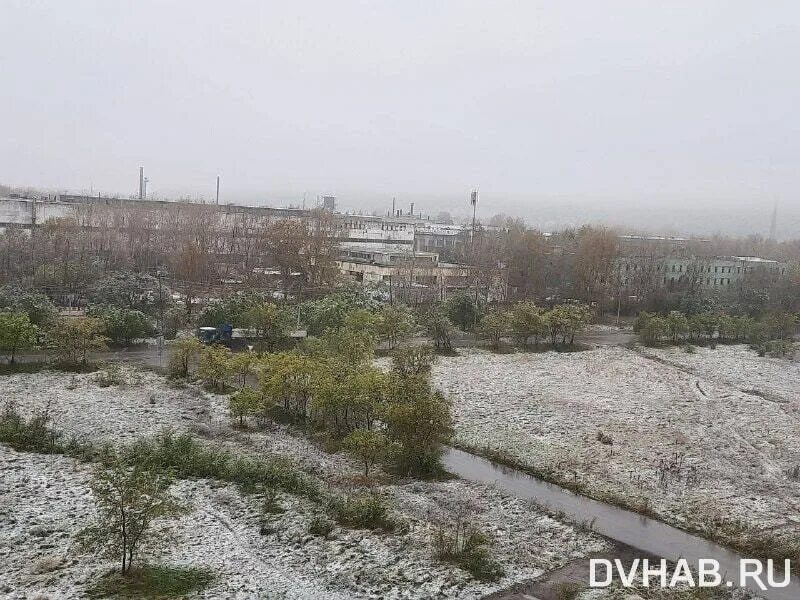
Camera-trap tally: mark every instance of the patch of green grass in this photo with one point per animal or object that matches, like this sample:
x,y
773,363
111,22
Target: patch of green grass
x,y
151,582
361,512
184,457
35,435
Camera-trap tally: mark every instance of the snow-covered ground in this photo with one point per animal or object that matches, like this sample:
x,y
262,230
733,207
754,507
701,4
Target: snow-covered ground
x,y
695,436
45,500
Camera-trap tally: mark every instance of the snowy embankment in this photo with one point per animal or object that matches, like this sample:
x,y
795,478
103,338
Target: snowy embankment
x,y
694,436
45,500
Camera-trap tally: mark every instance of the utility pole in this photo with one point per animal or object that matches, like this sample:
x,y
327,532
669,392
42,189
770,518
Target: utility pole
x,y
33,241
217,190
160,319
473,198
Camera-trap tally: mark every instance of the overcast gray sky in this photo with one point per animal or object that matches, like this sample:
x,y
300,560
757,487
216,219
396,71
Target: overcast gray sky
x,y
669,114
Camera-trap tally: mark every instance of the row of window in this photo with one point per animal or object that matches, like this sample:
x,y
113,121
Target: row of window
x,y
716,281
384,226
689,269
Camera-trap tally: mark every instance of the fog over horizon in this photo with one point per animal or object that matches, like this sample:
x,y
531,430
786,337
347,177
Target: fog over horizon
x,y
678,118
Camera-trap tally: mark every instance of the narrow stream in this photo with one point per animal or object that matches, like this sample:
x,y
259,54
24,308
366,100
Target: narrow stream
x,y
630,528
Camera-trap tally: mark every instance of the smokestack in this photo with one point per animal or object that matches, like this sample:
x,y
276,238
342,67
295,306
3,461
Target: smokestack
x,y
141,183
394,212
773,226
411,212
218,190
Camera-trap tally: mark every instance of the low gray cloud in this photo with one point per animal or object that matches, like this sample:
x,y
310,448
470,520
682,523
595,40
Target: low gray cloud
x,y
679,115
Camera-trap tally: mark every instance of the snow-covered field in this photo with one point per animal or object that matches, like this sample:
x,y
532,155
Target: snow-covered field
x,y
695,436
45,500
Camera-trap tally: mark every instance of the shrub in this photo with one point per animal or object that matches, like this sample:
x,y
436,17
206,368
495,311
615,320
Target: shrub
x,y
16,333
604,439
460,543
413,361
244,403
495,326
464,311
368,446
214,366
440,330
74,338
123,325
40,309
185,457
110,374
361,512
780,349
420,422
321,526
269,503
182,353
569,590
32,435
528,320
144,497
394,323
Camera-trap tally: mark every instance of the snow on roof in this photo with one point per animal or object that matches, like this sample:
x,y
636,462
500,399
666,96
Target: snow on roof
x,y
754,259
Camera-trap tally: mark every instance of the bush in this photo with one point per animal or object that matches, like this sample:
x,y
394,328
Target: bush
x,y
182,353
185,457
420,422
413,361
269,503
123,325
778,349
463,311
495,326
368,446
468,548
40,309
243,404
361,512
17,333
32,435
74,338
321,526
214,366
605,439
232,309
129,502
110,374
439,329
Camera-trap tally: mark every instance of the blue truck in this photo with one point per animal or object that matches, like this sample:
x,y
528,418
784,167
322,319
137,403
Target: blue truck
x,y
221,334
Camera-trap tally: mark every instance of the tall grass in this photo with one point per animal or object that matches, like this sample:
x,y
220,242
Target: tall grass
x,y
180,455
